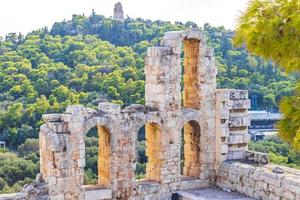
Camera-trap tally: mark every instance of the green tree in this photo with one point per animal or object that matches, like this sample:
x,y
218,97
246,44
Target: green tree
x,y
271,29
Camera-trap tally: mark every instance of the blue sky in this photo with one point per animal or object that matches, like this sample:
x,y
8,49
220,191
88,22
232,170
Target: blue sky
x,y
26,15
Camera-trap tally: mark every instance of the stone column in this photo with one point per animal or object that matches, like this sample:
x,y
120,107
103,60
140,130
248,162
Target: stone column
x,y
232,121
238,125
62,156
162,92
122,174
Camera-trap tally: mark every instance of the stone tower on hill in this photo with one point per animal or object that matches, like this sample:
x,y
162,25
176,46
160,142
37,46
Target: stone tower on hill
x,y
118,12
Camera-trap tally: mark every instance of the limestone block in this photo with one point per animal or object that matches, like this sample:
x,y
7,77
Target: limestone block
x,y
237,139
238,147
76,127
191,184
239,121
57,142
224,114
51,180
158,51
97,193
57,197
59,127
51,117
75,109
224,149
224,131
238,94
110,108
241,104
235,155
258,157
147,187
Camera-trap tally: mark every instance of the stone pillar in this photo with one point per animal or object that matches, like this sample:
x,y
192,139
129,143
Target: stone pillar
x,y
122,174
233,123
162,85
208,142
162,92
238,125
223,104
62,156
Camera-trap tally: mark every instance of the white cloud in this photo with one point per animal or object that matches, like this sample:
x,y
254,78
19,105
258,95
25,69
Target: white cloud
x,y
23,16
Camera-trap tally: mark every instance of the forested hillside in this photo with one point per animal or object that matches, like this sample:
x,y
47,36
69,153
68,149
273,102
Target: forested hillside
x,y
91,59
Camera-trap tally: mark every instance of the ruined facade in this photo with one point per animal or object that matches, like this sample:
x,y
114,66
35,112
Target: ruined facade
x,y
212,122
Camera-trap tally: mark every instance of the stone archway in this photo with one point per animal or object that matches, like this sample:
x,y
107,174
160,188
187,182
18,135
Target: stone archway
x,y
153,151
152,143
103,151
190,154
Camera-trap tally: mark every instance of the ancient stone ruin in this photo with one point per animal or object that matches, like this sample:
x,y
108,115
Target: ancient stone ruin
x,y
213,123
118,12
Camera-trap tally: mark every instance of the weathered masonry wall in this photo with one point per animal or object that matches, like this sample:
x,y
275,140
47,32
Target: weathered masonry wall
x,y
259,182
233,123
212,122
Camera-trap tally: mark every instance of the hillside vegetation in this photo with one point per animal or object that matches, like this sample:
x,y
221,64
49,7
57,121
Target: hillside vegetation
x,y
91,59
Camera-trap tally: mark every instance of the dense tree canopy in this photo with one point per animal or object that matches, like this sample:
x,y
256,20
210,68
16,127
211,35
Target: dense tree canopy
x,y
271,29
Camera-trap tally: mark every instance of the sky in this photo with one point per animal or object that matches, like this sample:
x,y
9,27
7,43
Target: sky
x,y
27,15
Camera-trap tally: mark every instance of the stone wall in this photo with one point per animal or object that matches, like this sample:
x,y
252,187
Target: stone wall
x,y
213,124
233,123
260,182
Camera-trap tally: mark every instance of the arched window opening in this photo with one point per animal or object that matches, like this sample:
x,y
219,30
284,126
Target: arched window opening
x,y
190,87
142,159
148,153
190,150
97,157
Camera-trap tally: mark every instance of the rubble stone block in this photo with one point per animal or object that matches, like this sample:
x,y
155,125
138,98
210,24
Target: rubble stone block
x,y
110,108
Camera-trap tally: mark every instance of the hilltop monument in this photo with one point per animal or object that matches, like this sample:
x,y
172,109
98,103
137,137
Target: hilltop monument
x,y
118,12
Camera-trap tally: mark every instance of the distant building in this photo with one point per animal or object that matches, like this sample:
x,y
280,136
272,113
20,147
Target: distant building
x,y
263,119
263,123
118,12
2,145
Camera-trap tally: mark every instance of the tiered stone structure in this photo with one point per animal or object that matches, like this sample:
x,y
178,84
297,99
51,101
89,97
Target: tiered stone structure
x,y
212,122
118,12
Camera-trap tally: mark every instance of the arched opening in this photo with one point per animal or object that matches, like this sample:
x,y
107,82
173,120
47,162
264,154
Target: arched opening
x,y
149,161
190,84
190,150
97,157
